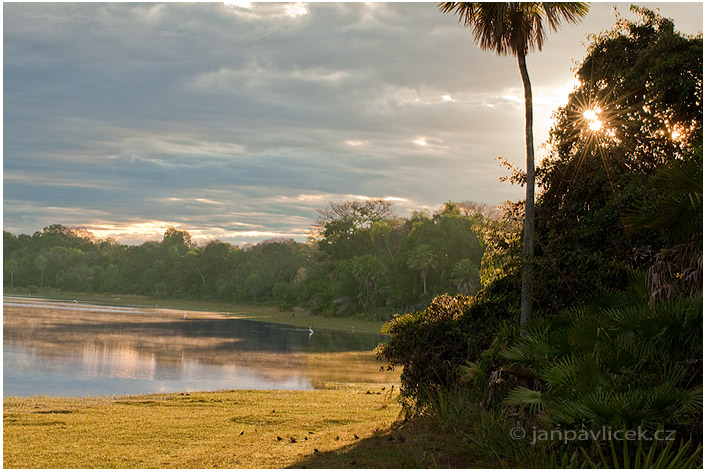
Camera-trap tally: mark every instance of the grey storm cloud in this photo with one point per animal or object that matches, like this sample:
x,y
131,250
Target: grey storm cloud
x,y
238,122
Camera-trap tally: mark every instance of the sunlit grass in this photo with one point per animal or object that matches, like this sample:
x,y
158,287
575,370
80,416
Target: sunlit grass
x,y
345,426
198,430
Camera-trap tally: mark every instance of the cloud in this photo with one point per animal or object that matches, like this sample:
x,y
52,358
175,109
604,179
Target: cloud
x,y
212,117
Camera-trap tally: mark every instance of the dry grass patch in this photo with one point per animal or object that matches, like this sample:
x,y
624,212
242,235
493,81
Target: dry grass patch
x,y
232,429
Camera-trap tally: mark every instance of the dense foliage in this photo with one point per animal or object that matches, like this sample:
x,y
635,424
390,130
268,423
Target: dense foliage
x,y
616,361
619,278
430,344
363,259
645,82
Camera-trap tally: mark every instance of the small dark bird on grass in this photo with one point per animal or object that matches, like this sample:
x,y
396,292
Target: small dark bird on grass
x,y
292,439
316,450
337,438
311,432
355,436
278,438
273,411
242,432
383,388
305,438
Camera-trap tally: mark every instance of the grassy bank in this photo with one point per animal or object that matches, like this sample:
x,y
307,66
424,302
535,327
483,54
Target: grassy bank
x,y
342,426
296,317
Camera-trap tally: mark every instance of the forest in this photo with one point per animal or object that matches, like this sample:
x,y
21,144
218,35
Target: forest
x,y
614,342
361,259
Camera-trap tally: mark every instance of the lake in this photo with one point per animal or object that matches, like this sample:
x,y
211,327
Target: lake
x,y
73,349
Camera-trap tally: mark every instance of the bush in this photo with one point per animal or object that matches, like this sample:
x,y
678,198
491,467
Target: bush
x,y
618,361
431,344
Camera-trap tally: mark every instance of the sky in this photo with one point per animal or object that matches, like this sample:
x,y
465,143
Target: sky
x,y
237,121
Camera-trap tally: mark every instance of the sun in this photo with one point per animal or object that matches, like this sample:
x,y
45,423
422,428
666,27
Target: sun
x,y
592,117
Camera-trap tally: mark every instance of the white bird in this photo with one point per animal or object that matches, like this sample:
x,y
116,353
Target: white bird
x,y
311,331
184,315
75,301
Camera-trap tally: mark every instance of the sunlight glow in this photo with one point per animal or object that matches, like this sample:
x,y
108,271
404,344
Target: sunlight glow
x,y
387,199
395,199
238,3
296,9
595,125
592,117
142,230
291,10
356,142
447,98
420,142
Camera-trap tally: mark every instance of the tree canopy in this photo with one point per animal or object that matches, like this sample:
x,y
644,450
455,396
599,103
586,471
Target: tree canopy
x,y
641,83
362,258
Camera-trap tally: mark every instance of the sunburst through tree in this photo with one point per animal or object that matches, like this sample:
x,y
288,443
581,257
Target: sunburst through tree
x,y
636,108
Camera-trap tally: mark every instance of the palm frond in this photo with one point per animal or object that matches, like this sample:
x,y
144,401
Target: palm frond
x,y
525,398
513,27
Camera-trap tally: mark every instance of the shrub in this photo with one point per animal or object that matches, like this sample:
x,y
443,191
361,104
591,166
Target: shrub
x,y
431,344
618,361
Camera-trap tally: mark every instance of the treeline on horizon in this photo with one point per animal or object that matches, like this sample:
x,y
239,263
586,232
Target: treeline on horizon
x,y
361,259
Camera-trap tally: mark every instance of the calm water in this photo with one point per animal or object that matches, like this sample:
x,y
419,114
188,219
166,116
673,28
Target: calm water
x,y
65,349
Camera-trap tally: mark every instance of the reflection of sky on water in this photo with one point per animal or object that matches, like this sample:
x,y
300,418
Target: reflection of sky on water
x,y
114,350
73,307
125,371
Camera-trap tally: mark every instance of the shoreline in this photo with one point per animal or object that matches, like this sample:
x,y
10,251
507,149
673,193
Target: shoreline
x,y
270,314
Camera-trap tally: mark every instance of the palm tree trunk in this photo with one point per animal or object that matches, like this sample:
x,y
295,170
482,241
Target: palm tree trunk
x,y
528,241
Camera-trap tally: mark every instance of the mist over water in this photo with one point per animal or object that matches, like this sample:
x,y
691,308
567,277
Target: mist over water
x,y
71,349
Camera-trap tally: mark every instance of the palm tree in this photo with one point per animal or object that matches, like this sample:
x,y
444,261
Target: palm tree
x,y
41,263
517,28
422,259
11,266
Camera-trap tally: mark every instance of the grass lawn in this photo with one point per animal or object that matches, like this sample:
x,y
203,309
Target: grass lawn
x,y
296,317
350,425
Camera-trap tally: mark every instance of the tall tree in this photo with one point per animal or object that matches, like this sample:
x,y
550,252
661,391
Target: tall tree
x,y
423,260
518,28
41,263
11,267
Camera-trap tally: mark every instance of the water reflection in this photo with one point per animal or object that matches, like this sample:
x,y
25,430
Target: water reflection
x,y
52,349
123,362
